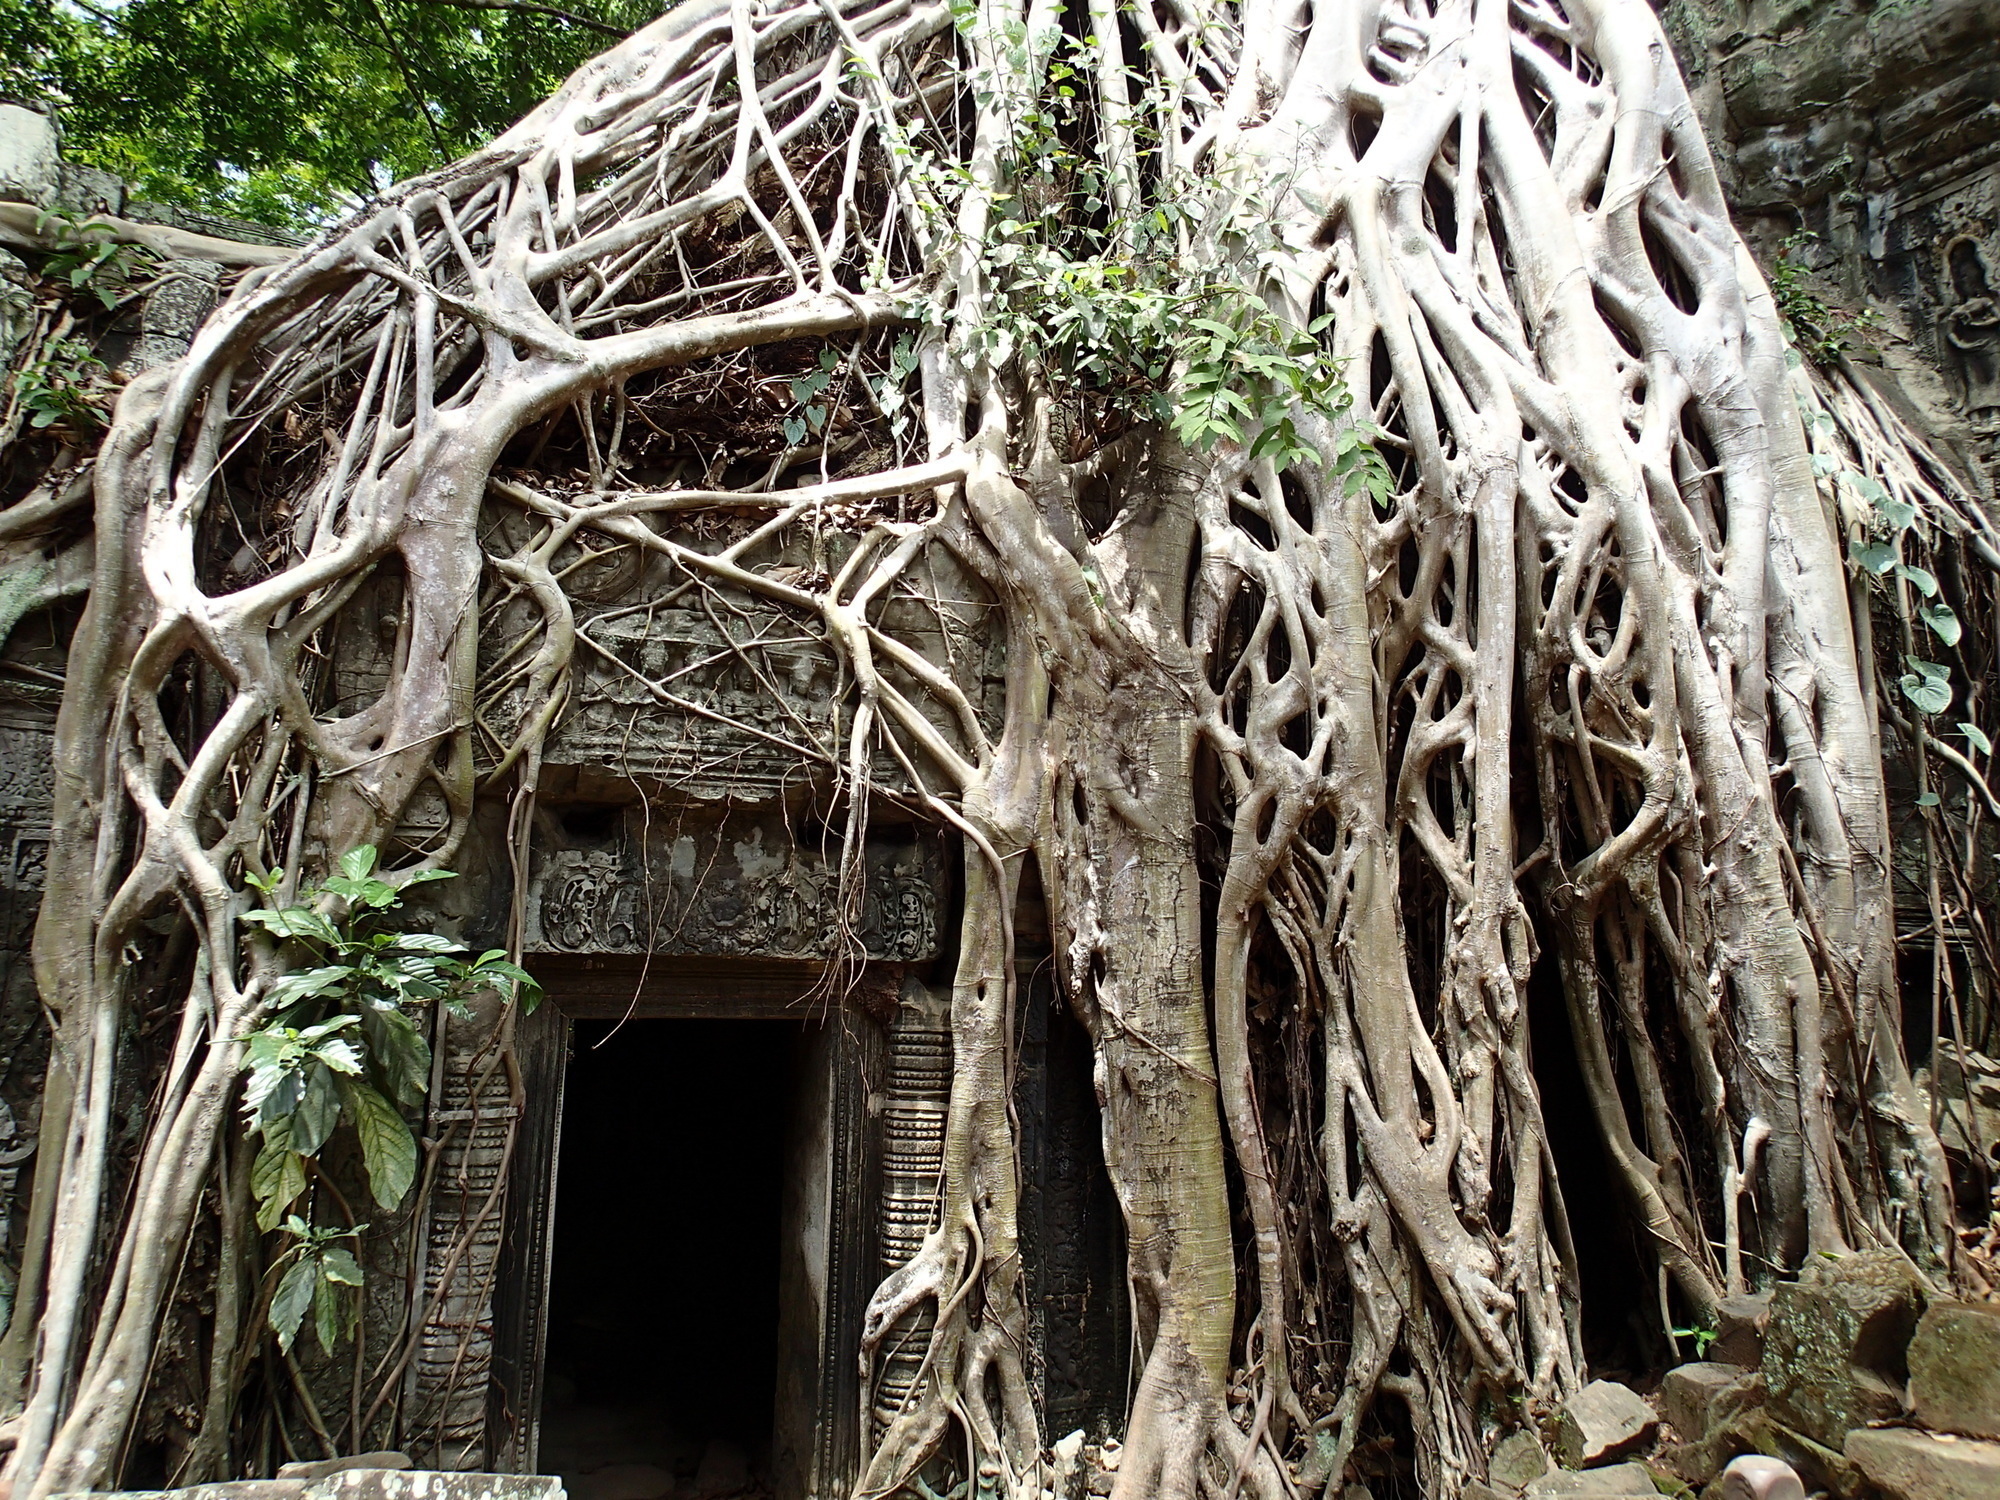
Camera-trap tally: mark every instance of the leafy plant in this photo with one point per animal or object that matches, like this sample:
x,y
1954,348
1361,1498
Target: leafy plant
x,y
1702,1337
320,1275
341,1046
90,256
1121,312
1814,326
63,386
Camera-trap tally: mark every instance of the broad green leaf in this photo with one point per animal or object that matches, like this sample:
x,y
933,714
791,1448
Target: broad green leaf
x,y
318,1111
358,862
1927,799
1943,622
1920,579
1876,557
427,942
1897,513
337,1263
310,982
387,1147
399,1058
329,1311
1929,695
1976,737
294,1296
277,1177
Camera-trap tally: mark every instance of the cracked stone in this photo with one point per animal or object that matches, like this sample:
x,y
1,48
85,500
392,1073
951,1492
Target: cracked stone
x,y
1739,1330
1602,1422
1909,1465
1835,1351
1955,1369
1688,1394
1518,1459
1587,1484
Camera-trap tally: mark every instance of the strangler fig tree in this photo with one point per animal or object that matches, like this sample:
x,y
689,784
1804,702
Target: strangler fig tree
x,y
1416,584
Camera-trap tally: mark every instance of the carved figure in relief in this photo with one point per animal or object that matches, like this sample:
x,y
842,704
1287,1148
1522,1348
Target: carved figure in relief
x,y
1972,329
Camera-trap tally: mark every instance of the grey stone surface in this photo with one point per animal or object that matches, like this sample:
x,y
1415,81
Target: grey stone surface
x,y
319,1468
29,165
1955,1369
1518,1458
1689,1391
1602,1422
1617,1479
173,310
1756,1477
1739,1330
364,1484
1834,1353
1910,1465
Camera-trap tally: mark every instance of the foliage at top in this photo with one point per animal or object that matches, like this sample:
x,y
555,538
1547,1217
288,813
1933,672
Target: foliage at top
x,y
285,113
1127,309
341,1045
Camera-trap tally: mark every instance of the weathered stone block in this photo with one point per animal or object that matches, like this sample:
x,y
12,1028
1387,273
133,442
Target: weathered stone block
x,y
1689,1392
1601,1422
1835,1351
1739,1330
1909,1465
1586,1484
427,1484
29,165
1518,1459
1755,1477
319,1468
1955,1369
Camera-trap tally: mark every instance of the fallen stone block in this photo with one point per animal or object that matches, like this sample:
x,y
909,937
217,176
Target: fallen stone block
x,y
1602,1422
1835,1352
1587,1484
1755,1477
1739,1330
1518,1459
1689,1392
1909,1465
1955,1369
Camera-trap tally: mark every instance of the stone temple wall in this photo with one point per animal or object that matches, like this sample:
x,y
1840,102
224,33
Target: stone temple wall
x,y
1875,124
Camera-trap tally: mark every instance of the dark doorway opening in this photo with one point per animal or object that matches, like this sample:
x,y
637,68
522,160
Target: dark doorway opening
x,y
663,1321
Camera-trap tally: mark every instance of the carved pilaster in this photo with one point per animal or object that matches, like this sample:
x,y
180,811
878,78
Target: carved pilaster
x,y
914,1108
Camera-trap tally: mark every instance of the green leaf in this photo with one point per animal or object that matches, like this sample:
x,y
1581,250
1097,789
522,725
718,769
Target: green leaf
x,y
1943,622
1876,557
387,1147
426,942
307,983
318,1111
337,1263
399,1058
330,1312
1928,694
1920,579
277,1176
294,1296
1927,799
1976,737
357,862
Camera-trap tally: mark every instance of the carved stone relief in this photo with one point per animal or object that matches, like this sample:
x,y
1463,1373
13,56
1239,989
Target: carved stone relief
x,y
915,1104
727,887
709,697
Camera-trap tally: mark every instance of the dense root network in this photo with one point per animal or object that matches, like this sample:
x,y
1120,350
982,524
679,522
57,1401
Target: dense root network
x,y
1314,775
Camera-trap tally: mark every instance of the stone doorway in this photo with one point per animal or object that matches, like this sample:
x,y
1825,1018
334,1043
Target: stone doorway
x,y
664,1337
691,1232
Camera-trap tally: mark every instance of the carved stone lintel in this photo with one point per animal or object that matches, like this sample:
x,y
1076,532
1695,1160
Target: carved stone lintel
x,y
734,888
